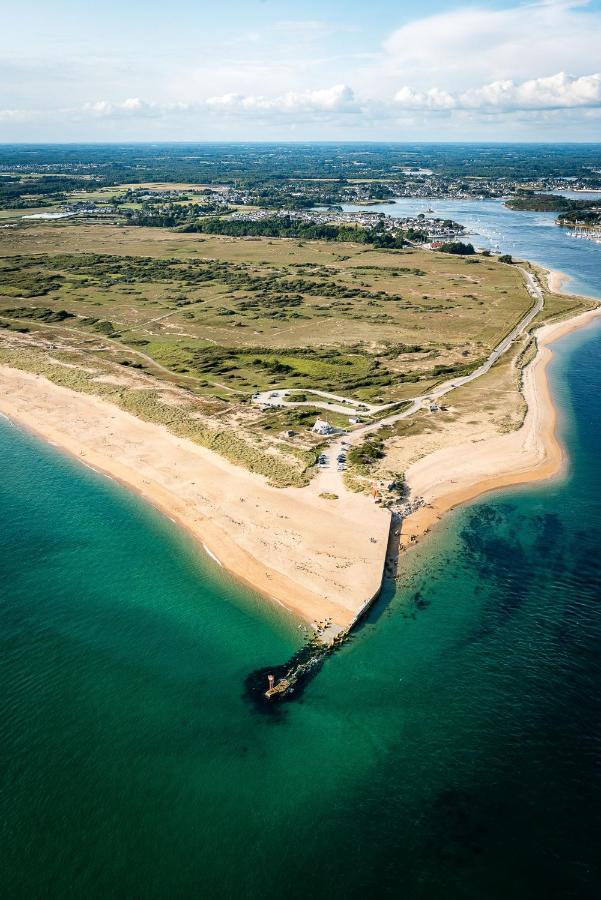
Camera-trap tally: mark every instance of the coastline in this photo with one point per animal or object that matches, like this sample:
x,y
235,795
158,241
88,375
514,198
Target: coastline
x,y
320,559
556,281
456,475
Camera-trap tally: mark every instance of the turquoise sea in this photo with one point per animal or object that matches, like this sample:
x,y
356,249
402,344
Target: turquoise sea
x,y
450,750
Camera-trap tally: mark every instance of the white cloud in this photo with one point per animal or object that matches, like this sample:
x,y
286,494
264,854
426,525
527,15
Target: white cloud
x,y
475,45
433,98
133,107
337,99
558,91
17,115
538,62
340,104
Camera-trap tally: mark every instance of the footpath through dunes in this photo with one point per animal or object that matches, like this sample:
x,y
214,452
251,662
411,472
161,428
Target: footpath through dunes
x,y
322,559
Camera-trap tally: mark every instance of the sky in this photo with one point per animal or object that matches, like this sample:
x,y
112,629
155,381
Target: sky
x,y
249,70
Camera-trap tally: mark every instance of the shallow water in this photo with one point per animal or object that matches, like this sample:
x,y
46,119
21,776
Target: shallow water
x,y
451,749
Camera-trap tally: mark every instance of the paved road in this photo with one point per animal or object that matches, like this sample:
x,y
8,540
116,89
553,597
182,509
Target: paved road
x,y
345,405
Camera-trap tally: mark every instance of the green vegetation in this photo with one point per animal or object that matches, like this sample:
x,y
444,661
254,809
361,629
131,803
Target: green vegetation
x,y
572,211
245,315
24,190
222,319
527,200
538,202
366,453
458,248
39,313
183,318
267,166
587,217
285,226
148,404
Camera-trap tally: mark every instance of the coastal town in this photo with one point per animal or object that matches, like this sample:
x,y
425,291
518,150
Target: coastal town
x,y
342,202
424,228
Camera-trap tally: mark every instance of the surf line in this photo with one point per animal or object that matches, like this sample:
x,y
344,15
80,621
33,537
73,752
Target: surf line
x,y
88,465
212,555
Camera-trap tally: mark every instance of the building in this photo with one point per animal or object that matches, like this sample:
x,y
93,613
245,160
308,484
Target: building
x,y
323,427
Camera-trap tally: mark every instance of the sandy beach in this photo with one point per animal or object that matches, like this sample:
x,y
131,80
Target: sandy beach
x,y
321,559
454,475
556,281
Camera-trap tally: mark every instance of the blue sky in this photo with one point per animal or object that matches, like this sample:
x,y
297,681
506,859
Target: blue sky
x,y
267,70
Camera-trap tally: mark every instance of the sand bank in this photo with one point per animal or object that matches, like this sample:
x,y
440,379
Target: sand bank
x,y
319,558
454,475
556,281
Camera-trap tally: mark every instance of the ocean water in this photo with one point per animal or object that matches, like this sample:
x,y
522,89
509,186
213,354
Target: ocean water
x,y
450,749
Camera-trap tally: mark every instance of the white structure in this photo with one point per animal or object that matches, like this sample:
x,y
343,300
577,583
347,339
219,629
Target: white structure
x,y
323,427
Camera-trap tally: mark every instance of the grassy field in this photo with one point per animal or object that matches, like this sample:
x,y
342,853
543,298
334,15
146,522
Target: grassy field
x,y
488,406
260,312
14,215
219,318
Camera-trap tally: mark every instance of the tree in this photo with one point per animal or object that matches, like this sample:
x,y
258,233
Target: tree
x,y
458,248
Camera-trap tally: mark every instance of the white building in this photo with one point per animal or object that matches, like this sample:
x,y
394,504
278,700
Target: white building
x,y
323,427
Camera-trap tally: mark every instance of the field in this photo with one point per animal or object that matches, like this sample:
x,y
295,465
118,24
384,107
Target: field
x,y
252,313
205,322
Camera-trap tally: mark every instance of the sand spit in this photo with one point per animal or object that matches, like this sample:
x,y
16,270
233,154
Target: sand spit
x,y
556,281
454,475
321,559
